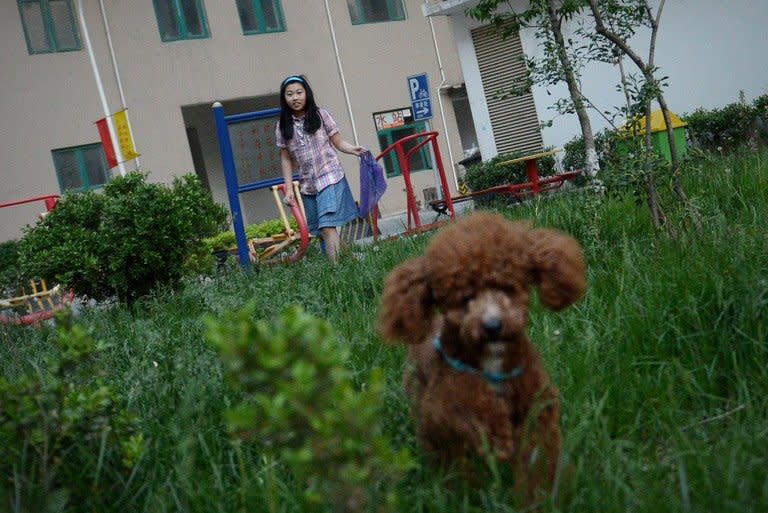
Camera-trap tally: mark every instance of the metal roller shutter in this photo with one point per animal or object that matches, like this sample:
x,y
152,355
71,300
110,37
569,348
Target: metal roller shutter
x,y
513,118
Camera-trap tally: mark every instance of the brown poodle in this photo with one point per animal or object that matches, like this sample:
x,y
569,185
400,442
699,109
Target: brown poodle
x,y
476,382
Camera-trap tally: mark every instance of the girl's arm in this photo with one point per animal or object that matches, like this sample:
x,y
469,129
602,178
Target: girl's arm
x,y
286,164
345,147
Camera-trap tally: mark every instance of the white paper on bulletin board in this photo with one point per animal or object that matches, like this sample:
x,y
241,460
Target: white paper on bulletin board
x,y
253,147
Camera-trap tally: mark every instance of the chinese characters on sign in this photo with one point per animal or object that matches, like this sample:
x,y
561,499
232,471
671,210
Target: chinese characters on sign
x,y
392,118
124,137
253,147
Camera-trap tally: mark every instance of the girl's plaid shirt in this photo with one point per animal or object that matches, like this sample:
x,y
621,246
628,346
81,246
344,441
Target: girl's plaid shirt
x,y
318,163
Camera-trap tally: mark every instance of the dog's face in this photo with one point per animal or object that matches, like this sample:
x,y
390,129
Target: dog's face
x,y
487,317
476,275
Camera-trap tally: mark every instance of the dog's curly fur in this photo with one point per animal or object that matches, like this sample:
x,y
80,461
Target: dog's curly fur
x,y
471,288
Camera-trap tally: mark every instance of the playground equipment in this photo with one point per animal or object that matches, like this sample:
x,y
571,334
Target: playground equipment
x,y
518,191
262,250
280,243
445,202
35,306
289,245
417,141
36,301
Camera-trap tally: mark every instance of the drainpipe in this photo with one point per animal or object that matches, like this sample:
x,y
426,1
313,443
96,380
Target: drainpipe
x,y
117,72
440,89
341,71
100,87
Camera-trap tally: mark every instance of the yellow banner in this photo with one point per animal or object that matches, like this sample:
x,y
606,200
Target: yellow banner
x,y
124,137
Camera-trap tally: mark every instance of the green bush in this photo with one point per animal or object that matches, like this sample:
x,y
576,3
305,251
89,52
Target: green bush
x,y
300,403
575,153
488,174
124,242
65,246
65,438
726,129
9,266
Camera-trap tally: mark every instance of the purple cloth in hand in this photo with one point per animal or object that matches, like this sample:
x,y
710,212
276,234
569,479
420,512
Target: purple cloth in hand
x,y
372,183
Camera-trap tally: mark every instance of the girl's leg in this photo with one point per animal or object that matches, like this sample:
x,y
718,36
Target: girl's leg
x,y
332,242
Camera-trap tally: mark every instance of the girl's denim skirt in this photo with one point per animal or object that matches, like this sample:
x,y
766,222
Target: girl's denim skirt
x,y
333,206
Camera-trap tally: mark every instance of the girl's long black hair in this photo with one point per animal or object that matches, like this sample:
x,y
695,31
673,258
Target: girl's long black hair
x,y
312,119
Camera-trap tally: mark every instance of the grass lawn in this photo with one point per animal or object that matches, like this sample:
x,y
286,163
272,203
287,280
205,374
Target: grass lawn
x,y
662,368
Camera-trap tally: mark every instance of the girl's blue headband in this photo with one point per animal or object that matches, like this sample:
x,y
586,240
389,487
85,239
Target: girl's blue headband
x,y
292,78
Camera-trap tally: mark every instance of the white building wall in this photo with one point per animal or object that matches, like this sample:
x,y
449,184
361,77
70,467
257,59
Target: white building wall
x,y
50,101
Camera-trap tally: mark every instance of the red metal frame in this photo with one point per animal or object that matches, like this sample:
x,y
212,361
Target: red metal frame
x,y
534,185
403,158
50,201
303,229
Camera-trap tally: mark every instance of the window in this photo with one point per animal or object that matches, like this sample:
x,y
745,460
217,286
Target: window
x,y
260,16
81,167
181,19
372,11
419,161
49,25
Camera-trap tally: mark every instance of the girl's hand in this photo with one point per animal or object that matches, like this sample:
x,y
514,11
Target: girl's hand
x,y
358,150
289,200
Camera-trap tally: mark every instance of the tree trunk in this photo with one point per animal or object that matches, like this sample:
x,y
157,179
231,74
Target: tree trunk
x,y
592,163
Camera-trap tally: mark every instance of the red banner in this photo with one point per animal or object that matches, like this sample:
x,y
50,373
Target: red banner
x,y
106,142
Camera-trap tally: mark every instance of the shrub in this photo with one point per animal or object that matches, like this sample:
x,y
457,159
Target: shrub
x,y
575,153
124,242
488,174
9,266
298,400
65,437
64,246
726,129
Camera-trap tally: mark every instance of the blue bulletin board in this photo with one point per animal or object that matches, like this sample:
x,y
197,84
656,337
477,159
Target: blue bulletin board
x,y
253,146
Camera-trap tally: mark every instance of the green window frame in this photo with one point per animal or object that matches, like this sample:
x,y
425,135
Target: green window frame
x,y
49,26
260,16
375,11
420,161
80,168
178,20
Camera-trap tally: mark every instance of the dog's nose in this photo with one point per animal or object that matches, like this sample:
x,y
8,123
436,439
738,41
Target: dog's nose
x,y
492,326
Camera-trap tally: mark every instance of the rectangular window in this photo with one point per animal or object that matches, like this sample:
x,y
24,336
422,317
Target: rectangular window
x,y
181,19
372,11
49,25
260,16
419,161
80,168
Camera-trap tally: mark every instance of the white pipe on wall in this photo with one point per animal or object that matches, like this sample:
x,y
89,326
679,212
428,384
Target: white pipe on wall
x,y
341,71
100,87
440,103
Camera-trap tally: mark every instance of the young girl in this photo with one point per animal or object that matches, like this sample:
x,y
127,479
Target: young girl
x,y
307,136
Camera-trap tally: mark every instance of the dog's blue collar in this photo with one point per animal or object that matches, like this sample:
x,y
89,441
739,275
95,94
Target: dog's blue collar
x,y
492,377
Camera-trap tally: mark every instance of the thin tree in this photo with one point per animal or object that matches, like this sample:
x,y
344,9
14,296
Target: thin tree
x,y
626,15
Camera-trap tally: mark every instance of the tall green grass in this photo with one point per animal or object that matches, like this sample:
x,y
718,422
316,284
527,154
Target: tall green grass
x,y
662,368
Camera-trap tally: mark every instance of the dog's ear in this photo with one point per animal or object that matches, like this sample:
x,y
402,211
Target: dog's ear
x,y
406,306
558,267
